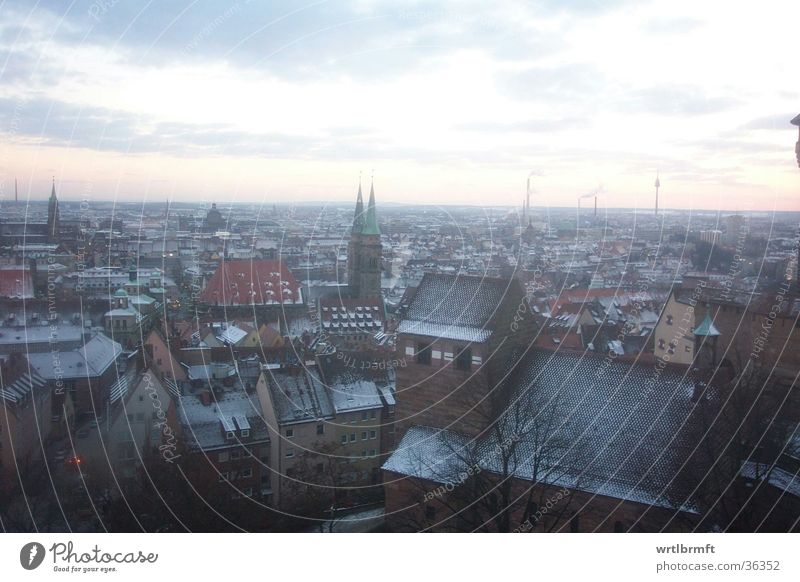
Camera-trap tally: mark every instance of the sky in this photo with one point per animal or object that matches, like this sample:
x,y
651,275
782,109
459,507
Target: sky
x,y
443,102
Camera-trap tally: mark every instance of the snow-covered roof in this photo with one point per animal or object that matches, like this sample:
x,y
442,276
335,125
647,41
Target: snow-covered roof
x,y
614,430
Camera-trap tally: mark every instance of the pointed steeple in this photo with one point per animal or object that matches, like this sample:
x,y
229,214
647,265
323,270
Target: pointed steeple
x,y
52,215
358,217
371,222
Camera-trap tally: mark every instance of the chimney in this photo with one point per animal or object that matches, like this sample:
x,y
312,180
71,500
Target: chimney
x,y
205,397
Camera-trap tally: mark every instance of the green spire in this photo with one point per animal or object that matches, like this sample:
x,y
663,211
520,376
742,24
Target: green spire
x,y
358,217
706,328
371,223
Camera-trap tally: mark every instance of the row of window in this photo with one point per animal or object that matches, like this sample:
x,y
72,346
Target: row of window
x,y
372,435
232,475
463,358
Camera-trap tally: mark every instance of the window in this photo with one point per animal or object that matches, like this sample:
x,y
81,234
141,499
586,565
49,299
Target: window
x,y
372,434
223,477
245,432
320,467
289,454
364,453
372,414
222,457
140,417
424,354
363,415
352,437
364,435
320,429
246,473
248,492
372,452
289,433
464,359
236,455
229,435
344,439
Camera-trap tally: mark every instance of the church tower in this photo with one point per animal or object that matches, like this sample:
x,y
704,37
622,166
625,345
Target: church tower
x,y
364,250
53,226
354,246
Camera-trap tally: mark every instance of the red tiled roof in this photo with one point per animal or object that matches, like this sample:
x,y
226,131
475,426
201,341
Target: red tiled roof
x,y
16,283
252,282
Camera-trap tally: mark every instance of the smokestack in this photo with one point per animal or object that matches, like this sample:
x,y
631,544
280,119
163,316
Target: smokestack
x,y
595,206
16,193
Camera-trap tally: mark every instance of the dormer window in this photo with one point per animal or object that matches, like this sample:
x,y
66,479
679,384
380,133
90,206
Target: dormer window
x,y
229,435
245,432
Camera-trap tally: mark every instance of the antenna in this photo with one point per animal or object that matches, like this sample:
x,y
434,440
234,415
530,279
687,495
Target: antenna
x,y
658,185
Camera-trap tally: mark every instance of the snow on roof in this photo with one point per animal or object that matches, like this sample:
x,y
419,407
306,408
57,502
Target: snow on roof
x,y
23,386
90,360
232,335
779,478
298,397
613,431
457,300
350,393
203,423
453,332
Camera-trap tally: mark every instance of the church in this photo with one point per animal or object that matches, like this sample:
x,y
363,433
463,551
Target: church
x,y
355,317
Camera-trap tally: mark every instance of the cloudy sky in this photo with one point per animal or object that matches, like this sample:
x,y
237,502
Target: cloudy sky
x,y
446,102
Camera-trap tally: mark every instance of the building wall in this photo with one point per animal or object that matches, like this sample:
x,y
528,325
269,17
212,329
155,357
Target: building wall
x,y
413,504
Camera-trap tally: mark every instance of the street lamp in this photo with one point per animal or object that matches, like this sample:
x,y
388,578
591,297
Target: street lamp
x,y
796,121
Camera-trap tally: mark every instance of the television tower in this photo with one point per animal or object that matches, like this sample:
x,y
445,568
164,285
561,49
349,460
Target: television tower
x,y
658,185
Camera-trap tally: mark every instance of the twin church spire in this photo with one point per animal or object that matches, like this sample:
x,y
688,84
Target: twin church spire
x,y
366,223
364,250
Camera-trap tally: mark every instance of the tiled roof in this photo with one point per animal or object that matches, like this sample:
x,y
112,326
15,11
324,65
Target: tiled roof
x,y
244,282
16,282
444,305
613,429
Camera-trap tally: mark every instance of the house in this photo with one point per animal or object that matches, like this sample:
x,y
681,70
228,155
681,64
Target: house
x,y
455,339
25,418
603,438
93,375
222,432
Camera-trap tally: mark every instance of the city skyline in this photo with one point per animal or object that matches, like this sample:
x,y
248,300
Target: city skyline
x,y
447,103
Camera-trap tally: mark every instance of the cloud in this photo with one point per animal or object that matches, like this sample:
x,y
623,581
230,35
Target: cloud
x,y
675,100
524,126
780,121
